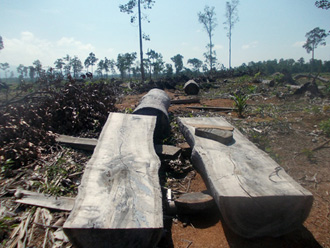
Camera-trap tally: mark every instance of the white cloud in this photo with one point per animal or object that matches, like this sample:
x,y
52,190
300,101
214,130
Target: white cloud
x,y
218,47
28,48
298,44
250,45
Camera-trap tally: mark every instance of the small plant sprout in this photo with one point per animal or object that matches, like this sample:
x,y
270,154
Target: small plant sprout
x,y
240,103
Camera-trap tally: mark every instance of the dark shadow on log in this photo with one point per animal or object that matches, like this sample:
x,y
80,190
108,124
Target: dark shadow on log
x,y
202,220
299,238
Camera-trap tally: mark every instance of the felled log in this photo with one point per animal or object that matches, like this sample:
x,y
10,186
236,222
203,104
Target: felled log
x,y
308,87
253,193
119,201
191,88
156,103
324,80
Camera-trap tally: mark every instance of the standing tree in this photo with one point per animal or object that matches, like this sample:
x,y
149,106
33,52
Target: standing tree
x,y
323,4
76,66
20,70
314,37
178,63
155,62
196,63
59,65
231,19
100,67
207,18
90,61
38,67
32,72
129,9
125,62
4,67
1,43
168,70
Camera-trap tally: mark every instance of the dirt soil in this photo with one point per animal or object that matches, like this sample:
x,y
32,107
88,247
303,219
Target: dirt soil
x,y
287,127
288,130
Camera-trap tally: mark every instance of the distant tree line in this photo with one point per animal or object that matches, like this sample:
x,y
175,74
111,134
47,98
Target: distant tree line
x,y
155,67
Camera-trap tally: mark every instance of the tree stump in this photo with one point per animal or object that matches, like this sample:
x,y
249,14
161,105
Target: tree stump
x,y
253,193
119,203
191,88
156,103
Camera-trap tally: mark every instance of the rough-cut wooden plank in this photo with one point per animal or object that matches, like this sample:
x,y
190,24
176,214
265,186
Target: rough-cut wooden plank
x,y
76,142
228,128
254,194
167,151
223,136
191,87
119,201
89,145
156,103
223,109
185,101
41,200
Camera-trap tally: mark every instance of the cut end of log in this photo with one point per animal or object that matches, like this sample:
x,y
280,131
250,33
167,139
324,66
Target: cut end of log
x,y
191,88
194,203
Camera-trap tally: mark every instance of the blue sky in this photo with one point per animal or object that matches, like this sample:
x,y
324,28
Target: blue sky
x,y
48,30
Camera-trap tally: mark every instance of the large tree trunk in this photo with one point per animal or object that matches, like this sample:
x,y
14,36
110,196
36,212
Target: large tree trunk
x,y
119,202
254,194
156,102
140,37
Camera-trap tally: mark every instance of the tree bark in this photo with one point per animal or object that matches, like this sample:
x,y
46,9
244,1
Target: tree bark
x,y
140,36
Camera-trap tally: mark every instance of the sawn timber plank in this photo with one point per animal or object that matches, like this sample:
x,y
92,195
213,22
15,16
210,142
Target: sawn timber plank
x,y
255,196
119,202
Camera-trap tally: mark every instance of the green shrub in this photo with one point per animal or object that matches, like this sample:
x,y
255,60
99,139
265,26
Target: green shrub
x,y
240,103
325,127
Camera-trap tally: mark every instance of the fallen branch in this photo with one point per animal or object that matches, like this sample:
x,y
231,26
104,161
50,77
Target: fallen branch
x,y
26,97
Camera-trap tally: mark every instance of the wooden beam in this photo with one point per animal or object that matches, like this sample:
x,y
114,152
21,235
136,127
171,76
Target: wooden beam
x,y
76,142
119,203
167,151
256,197
185,101
42,200
223,109
89,145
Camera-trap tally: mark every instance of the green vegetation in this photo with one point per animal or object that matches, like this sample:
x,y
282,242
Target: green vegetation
x,y
325,127
240,103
